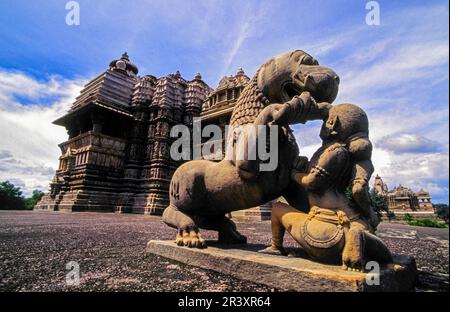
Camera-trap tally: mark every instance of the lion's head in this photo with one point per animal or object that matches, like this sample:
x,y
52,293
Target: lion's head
x,y
291,73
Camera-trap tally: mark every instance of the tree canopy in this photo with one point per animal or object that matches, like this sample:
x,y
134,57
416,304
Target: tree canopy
x,y
11,197
442,211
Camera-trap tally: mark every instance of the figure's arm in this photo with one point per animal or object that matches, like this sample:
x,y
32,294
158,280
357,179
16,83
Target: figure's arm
x,y
298,110
301,109
326,165
361,150
301,163
308,176
299,177
315,178
300,169
361,174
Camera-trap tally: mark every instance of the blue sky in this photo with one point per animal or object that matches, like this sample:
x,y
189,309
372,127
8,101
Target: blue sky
x,y
397,71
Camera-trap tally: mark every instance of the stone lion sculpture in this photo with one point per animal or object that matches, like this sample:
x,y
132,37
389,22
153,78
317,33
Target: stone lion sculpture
x,y
289,88
335,229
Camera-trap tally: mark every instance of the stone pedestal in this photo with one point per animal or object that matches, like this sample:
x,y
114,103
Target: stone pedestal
x,y
288,273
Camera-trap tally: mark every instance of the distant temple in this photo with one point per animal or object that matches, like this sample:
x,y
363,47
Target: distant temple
x,y
403,199
117,156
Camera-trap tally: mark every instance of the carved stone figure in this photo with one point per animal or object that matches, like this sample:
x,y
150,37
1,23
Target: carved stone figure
x,y
283,91
335,229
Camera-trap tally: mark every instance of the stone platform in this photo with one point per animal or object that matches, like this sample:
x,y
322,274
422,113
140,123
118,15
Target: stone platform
x,y
288,273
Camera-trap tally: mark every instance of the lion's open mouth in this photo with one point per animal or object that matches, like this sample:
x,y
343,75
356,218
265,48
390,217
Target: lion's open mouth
x,y
291,89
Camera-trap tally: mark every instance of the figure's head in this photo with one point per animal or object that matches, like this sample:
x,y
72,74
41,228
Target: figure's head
x,y
344,120
289,74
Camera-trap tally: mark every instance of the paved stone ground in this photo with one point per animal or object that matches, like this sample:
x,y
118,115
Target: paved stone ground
x,y
36,246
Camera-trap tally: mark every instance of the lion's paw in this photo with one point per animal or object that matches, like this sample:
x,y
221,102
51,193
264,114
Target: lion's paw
x,y
192,239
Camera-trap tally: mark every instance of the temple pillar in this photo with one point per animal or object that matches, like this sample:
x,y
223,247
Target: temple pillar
x,y
159,179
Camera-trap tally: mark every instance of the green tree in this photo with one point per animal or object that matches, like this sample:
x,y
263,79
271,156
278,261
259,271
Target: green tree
x,y
442,211
391,215
407,217
11,197
379,201
36,196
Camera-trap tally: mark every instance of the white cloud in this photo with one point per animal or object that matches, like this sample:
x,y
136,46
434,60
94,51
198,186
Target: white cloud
x,y
241,36
409,143
406,64
29,141
414,166
248,26
417,171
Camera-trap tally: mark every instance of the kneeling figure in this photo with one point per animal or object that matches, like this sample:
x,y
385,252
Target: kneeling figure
x,y
336,228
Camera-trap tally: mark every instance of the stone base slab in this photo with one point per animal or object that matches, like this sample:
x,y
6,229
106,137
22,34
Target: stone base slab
x,y
287,273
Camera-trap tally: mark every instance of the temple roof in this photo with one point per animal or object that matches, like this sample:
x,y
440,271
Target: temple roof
x,y
72,114
227,82
423,193
123,64
114,86
119,90
224,106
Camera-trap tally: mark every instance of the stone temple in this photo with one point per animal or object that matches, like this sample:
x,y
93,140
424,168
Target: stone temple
x,y
402,199
117,156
